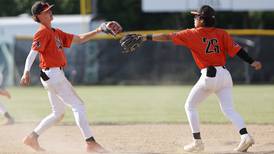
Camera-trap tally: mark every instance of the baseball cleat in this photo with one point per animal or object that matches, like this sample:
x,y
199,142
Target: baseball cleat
x,y
95,147
32,142
246,142
195,146
8,121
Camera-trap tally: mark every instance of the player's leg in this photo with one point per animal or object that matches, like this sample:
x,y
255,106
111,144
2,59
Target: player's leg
x,y
58,109
70,97
197,94
226,104
8,118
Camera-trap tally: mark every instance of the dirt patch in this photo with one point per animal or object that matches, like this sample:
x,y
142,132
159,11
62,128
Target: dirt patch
x,y
136,139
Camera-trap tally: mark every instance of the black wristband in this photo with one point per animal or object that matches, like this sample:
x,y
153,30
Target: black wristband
x,y
149,37
244,56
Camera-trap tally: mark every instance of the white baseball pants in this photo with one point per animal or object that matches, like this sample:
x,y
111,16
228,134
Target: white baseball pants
x,y
221,85
3,110
61,93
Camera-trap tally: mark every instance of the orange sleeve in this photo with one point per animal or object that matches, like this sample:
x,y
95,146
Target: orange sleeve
x,y
231,46
66,38
180,38
40,41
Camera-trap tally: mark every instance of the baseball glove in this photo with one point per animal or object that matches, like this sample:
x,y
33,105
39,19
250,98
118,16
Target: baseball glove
x,y
131,42
111,27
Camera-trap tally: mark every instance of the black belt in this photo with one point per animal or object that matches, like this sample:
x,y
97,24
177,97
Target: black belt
x,y
211,71
48,68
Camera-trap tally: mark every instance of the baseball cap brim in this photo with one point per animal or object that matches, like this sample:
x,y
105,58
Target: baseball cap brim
x,y
48,8
194,12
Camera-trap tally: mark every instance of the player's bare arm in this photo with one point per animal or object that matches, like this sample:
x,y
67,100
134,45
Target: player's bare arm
x,y
157,37
82,38
112,27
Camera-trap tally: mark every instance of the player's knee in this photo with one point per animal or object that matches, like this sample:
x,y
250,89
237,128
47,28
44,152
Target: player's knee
x,y
77,107
189,107
58,114
60,118
186,106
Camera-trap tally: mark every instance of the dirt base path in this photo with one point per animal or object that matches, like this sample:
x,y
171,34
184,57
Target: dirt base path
x,y
136,139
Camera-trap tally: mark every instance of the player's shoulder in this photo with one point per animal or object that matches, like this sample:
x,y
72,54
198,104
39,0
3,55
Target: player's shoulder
x,y
186,31
42,31
189,30
220,30
59,31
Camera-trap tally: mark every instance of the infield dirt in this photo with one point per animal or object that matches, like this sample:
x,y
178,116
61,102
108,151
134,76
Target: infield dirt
x,y
136,138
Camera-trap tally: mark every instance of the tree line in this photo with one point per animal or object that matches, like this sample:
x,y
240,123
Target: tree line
x,y
129,14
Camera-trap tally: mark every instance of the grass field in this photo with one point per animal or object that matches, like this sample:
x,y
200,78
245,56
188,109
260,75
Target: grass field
x,y
144,104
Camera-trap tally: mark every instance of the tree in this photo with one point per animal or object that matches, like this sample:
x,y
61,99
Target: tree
x,y
17,7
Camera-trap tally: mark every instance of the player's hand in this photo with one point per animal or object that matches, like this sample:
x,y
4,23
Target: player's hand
x,y
256,65
25,80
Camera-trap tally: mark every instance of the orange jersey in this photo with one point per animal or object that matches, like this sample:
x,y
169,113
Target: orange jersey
x,y
50,44
209,46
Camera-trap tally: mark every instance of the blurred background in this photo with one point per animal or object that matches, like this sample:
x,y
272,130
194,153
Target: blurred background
x,y
100,61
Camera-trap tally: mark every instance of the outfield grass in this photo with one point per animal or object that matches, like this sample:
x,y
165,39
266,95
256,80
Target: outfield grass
x,y
144,104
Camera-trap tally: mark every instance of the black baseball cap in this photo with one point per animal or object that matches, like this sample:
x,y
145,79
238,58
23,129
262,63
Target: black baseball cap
x,y
205,11
39,7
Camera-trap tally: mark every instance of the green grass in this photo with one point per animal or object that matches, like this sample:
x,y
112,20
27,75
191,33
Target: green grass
x,y
144,104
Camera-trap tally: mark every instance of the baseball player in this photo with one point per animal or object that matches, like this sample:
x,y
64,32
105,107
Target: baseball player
x,y
209,47
49,43
8,118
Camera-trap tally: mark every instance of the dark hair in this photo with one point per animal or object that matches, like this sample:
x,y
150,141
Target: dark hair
x,y
208,21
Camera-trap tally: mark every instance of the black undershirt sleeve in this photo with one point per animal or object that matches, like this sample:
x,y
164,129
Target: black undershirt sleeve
x,y
244,56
